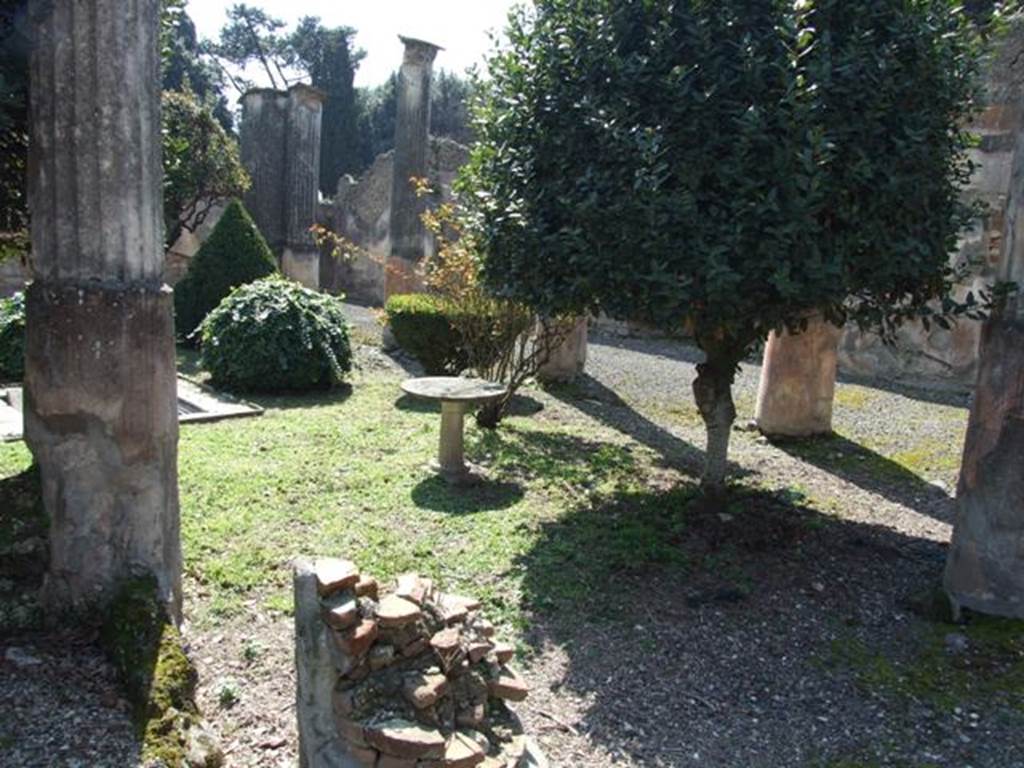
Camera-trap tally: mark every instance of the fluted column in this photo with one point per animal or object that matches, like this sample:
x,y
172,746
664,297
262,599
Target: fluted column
x,y
100,387
300,258
412,145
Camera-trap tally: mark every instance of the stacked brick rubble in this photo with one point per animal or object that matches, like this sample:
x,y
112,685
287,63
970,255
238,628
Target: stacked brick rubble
x,y
421,680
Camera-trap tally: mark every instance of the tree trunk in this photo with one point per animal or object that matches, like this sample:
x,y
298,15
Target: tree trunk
x,y
100,386
713,392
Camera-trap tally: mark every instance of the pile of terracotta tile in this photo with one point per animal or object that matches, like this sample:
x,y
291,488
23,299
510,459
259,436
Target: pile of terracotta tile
x,y
421,680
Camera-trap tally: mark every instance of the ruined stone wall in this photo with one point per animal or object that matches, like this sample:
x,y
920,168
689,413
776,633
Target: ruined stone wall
x,y
938,358
361,213
410,679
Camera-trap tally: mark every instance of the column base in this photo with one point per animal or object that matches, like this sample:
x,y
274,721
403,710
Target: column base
x,y
302,267
798,381
101,421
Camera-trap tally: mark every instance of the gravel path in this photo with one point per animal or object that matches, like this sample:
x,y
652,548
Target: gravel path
x,y
61,707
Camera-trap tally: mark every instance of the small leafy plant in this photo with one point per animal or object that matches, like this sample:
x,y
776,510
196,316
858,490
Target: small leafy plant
x,y
12,338
275,335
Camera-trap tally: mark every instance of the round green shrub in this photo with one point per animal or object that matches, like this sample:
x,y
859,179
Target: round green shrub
x,y
12,338
274,335
234,254
421,326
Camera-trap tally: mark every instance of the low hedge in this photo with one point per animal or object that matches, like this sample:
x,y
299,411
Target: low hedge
x,y
274,335
421,327
12,338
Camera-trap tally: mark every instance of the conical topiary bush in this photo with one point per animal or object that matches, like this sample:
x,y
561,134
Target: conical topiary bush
x,y
234,254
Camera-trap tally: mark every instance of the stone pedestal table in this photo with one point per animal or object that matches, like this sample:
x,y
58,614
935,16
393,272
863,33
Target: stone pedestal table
x,y
457,396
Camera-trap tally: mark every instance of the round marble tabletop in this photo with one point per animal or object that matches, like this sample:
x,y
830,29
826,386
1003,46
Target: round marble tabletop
x,y
453,389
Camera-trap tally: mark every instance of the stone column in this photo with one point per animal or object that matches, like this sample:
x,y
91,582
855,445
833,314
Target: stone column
x,y
798,381
280,142
412,144
300,258
100,387
985,568
569,359
262,133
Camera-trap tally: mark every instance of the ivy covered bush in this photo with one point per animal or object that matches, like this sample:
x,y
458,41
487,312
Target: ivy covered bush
x,y
12,338
423,327
274,335
233,255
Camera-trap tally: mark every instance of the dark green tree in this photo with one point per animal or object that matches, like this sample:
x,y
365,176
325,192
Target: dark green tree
x,y
727,165
235,254
449,107
378,107
186,66
330,58
13,129
449,112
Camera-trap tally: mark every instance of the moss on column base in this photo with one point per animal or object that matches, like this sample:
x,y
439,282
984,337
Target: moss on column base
x,y
159,679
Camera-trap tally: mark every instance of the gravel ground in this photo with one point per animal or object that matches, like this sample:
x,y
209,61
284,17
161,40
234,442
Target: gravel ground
x,y
61,707
691,671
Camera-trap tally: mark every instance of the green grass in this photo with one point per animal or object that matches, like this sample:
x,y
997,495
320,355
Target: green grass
x,y
990,670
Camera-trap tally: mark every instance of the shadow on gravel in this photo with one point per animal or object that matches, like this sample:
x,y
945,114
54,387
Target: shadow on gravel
x,y
593,398
873,472
758,633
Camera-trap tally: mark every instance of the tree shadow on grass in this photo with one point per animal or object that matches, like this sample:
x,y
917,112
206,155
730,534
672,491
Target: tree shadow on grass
x,y
515,458
873,472
676,628
593,398
488,495
312,400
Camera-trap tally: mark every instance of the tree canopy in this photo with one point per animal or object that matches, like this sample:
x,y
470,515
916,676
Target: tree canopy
x,y
13,129
729,166
201,160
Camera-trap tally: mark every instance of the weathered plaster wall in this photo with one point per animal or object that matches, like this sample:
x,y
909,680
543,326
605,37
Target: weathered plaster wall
x,y
937,357
361,213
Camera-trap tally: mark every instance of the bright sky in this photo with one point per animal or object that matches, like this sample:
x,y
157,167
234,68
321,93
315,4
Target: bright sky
x,y
459,26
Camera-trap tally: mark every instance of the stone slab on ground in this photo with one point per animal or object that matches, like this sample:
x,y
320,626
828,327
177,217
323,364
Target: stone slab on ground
x,y
196,403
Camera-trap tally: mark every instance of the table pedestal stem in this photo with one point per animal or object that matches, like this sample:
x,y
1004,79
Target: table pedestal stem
x,y
451,455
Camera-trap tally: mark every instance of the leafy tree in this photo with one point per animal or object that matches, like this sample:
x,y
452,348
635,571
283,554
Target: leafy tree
x,y
202,165
13,129
730,165
233,255
326,56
